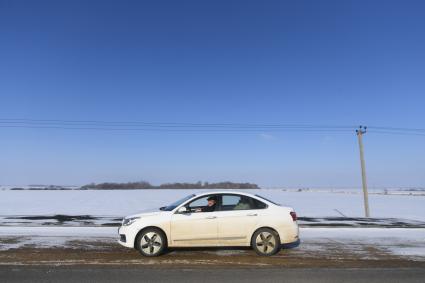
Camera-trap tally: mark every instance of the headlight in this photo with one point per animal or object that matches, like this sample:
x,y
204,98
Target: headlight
x,y
129,221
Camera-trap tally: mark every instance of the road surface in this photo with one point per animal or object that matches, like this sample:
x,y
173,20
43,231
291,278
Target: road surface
x,y
144,274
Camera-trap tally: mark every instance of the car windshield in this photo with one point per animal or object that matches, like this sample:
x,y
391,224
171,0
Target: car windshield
x,y
177,203
267,199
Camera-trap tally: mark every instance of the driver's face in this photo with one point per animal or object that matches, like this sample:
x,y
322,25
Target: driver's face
x,y
211,202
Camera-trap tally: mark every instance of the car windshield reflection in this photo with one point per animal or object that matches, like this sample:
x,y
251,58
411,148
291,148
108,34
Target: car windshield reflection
x,y
176,203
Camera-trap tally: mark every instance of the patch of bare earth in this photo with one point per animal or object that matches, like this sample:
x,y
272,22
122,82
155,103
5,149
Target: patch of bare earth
x,y
308,255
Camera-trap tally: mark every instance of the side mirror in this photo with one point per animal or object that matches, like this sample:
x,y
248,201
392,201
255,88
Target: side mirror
x,y
182,209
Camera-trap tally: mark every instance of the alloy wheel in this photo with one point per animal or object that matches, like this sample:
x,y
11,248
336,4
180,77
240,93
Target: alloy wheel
x,y
151,243
265,242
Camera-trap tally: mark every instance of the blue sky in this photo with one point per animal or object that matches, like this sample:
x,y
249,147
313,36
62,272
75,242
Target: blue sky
x,y
292,62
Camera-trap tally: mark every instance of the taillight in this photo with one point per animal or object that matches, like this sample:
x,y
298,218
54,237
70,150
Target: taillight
x,y
293,215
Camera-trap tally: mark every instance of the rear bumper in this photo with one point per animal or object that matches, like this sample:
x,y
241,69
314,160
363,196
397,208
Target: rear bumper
x,y
291,245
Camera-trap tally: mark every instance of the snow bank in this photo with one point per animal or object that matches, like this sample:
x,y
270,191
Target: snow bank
x,y
125,202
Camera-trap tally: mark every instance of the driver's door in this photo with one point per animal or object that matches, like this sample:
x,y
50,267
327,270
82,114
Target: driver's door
x,y
194,229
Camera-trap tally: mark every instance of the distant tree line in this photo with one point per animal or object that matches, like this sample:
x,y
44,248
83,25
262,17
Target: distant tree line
x,y
146,185
118,186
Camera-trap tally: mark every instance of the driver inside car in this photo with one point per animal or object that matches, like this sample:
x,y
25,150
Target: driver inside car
x,y
212,202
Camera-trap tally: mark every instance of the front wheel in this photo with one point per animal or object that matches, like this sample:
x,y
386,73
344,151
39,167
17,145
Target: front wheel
x,y
151,242
265,242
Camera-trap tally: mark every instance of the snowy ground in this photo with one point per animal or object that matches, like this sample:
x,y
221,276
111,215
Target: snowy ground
x,y
322,203
321,208
39,219
365,243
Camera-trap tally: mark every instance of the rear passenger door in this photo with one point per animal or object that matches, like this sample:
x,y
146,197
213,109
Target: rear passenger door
x,y
237,217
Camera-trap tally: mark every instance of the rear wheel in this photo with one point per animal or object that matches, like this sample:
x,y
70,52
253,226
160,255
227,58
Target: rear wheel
x,y
265,242
151,242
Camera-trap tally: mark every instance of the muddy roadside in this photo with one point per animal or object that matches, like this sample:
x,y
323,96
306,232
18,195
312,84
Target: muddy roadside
x,y
329,255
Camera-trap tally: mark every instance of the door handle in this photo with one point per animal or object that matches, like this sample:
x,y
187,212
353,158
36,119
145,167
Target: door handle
x,y
252,214
210,217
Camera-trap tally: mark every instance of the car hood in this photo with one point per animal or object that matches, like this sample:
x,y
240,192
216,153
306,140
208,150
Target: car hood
x,y
146,213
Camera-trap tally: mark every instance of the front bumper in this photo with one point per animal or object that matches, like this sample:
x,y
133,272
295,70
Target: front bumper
x,y
125,238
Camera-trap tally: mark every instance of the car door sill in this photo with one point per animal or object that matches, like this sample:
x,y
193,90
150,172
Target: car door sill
x,y
197,239
231,238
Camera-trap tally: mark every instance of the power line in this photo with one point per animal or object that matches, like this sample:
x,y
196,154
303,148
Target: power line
x,y
189,127
175,130
173,126
397,129
397,133
167,124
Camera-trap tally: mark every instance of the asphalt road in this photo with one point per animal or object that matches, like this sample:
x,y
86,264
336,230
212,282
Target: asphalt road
x,y
258,274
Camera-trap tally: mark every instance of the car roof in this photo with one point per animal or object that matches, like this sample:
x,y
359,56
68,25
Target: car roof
x,y
234,192
221,192
224,192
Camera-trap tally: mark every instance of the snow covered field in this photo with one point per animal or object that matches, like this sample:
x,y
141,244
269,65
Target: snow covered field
x,y
39,219
405,243
112,203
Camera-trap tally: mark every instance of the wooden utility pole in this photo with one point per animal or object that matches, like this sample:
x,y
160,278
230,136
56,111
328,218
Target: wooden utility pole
x,y
360,132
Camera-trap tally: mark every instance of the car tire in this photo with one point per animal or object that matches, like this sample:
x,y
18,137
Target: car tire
x,y
265,242
151,242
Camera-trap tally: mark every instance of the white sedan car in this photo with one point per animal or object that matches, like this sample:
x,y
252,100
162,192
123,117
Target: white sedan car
x,y
212,219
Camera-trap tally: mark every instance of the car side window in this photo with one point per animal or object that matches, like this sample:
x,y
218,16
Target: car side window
x,y
259,204
239,202
199,202
202,204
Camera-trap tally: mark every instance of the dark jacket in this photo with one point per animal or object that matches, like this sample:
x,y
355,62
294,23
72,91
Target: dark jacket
x,y
209,208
